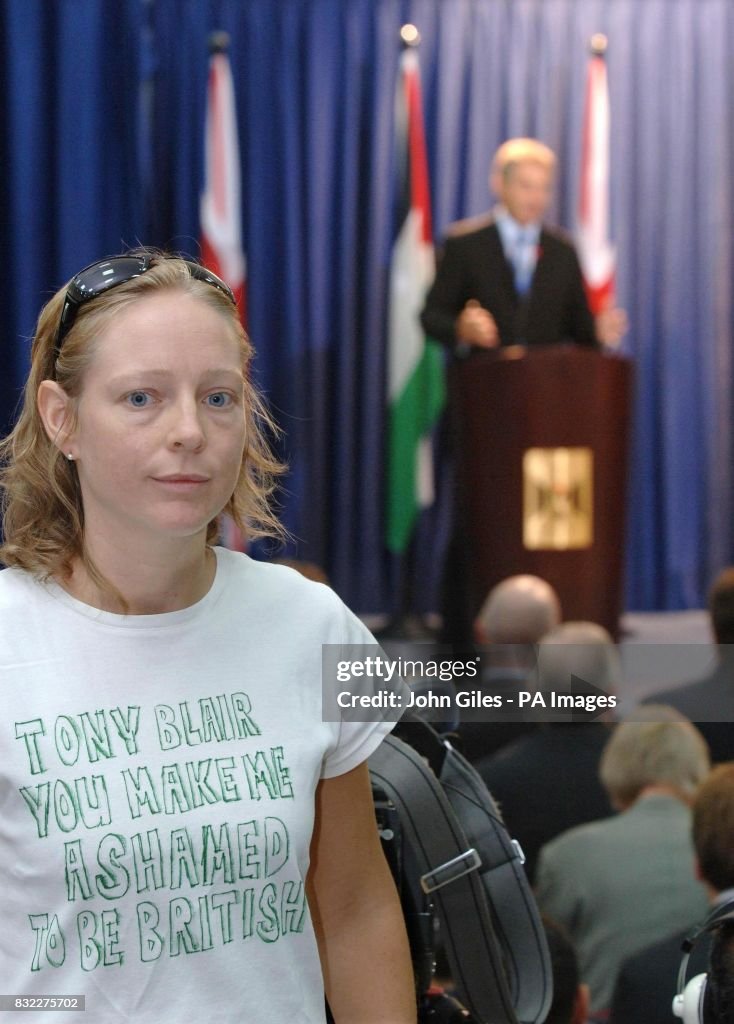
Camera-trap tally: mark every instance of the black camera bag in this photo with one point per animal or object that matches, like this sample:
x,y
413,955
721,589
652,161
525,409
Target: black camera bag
x,y
472,871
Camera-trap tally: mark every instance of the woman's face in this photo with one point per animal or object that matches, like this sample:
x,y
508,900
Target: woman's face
x,y
160,429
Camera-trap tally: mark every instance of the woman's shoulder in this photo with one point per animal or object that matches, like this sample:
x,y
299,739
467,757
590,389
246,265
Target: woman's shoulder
x,y
271,584
273,576
290,595
24,610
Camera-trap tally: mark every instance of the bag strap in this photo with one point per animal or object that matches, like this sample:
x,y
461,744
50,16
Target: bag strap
x,y
450,874
515,916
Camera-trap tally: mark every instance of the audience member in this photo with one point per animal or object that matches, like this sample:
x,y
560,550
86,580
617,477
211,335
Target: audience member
x,y
547,781
647,981
519,610
620,884
709,702
513,618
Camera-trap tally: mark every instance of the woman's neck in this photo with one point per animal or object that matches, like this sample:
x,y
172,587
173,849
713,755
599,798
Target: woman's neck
x,y
165,578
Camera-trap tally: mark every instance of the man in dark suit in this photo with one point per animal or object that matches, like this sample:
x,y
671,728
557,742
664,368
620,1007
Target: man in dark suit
x,y
504,278
647,981
547,780
709,702
516,613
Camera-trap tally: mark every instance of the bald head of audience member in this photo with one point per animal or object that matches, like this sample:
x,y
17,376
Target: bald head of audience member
x,y
660,752
519,610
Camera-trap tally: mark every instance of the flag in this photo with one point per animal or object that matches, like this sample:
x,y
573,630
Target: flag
x,y
416,390
220,210
597,255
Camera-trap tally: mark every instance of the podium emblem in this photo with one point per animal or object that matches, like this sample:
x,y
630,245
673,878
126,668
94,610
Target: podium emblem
x,y
558,488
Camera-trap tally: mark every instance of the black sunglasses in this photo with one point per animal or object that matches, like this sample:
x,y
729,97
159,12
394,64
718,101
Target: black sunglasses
x,y
99,277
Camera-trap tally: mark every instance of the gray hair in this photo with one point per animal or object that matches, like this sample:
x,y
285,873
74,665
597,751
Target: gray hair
x,y
659,747
582,649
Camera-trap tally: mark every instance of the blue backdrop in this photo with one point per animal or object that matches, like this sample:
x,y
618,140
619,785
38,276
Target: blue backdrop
x,y
101,147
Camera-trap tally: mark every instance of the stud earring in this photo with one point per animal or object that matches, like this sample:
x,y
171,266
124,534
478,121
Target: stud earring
x,y
70,456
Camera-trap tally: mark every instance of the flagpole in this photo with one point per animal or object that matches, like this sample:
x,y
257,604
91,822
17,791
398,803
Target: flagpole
x,y
220,213
410,36
406,624
409,624
218,42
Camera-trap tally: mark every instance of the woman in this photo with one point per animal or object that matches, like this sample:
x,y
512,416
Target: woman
x,y
181,835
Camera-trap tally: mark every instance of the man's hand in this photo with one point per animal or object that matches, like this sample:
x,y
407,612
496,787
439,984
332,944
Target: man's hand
x,y
476,326
611,326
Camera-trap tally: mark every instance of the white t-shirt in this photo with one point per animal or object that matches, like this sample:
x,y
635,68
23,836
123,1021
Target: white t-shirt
x,y
157,779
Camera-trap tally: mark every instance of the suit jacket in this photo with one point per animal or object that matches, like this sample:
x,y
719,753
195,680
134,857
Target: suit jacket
x,y
547,782
480,732
709,704
621,884
648,981
473,266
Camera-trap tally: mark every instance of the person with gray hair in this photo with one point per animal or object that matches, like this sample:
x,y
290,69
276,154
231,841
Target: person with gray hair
x,y
659,749
648,979
620,884
582,649
547,781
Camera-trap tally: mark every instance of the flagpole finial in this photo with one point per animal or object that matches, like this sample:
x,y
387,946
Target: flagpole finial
x,y
218,42
410,35
598,44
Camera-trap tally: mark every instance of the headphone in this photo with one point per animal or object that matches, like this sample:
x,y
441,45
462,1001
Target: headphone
x,y
688,1004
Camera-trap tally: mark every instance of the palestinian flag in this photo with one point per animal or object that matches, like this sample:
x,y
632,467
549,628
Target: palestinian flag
x,y
416,389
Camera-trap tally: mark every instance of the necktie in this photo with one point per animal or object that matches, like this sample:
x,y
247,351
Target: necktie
x,y
522,262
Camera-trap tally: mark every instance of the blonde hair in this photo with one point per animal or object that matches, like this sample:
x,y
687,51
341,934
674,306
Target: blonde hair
x,y
42,510
518,151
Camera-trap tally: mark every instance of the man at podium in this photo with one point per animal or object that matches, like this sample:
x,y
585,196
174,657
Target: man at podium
x,y
506,279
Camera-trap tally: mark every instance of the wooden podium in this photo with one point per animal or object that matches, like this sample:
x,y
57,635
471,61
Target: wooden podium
x,y
543,437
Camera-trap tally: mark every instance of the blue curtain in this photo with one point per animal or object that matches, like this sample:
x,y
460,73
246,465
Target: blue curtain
x,y
101,147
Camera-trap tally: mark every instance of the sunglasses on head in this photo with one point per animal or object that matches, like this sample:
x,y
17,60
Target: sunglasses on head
x,y
99,277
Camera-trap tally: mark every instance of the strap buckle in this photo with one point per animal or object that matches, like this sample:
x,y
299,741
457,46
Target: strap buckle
x,y
455,868
518,850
